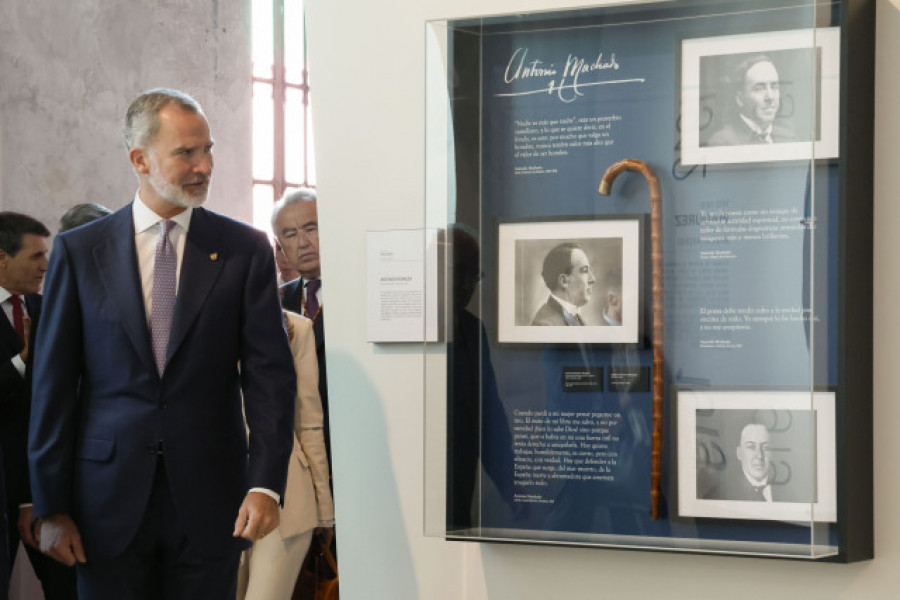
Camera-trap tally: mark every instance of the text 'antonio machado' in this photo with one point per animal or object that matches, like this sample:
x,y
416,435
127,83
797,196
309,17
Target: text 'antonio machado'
x,y
566,85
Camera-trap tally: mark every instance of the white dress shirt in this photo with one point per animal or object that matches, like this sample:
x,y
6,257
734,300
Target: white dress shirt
x,y
763,487
147,225
765,134
568,306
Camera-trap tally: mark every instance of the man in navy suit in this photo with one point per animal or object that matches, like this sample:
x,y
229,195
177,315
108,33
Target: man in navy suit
x,y
23,262
157,320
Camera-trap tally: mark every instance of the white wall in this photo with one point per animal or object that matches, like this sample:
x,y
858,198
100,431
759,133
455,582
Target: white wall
x,y
367,61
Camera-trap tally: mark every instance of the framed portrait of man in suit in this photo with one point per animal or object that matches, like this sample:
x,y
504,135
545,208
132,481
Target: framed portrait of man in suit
x,y
760,97
570,281
758,455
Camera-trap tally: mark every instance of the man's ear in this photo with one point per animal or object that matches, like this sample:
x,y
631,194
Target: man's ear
x,y
563,280
140,160
4,259
739,99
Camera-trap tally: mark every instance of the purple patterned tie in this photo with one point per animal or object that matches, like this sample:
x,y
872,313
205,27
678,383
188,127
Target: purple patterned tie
x,y
163,298
312,298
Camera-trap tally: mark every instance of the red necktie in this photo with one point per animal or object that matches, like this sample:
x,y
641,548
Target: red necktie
x,y
18,317
312,300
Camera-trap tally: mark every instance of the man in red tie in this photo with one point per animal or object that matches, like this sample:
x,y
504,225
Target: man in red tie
x,y
23,261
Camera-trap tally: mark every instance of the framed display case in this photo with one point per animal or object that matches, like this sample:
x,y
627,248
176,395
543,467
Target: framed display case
x,y
656,279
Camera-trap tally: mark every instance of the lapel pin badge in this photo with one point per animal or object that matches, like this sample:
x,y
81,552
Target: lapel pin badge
x,y
214,256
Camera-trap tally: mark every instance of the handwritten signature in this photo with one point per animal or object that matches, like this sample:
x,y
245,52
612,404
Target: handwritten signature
x,y
567,86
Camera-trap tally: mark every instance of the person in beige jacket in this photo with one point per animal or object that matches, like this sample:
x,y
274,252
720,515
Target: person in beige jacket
x,y
270,567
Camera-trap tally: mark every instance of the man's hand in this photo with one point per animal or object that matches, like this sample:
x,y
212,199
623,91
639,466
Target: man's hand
x,y
26,320
257,517
26,530
58,538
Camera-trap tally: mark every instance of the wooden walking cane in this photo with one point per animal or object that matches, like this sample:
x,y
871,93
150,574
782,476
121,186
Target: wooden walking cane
x,y
656,284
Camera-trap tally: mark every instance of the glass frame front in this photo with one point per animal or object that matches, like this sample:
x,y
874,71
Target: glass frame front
x,y
648,213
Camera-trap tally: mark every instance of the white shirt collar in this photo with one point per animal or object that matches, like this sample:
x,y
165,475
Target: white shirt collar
x,y
763,487
757,483
568,306
145,218
755,128
5,294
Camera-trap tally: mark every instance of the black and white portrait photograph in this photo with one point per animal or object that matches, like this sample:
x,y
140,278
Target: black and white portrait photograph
x,y
569,281
756,455
580,282
760,97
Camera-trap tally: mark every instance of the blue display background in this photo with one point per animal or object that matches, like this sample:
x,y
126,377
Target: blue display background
x,y
766,283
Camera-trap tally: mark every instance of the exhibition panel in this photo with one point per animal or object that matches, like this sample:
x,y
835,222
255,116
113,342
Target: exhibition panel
x,y
655,277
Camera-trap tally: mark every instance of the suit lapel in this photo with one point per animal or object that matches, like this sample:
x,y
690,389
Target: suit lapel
x,y
293,296
201,265
567,317
319,329
33,307
319,322
8,337
293,301
116,261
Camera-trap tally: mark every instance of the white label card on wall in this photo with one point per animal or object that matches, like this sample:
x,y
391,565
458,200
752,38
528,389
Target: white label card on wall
x,y
401,285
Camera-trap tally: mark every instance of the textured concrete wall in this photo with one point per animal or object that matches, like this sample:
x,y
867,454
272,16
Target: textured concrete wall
x,y
68,71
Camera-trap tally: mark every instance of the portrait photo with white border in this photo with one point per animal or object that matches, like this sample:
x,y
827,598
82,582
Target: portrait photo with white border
x,y
575,281
760,97
762,455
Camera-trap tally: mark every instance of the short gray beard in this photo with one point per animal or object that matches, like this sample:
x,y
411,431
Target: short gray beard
x,y
172,193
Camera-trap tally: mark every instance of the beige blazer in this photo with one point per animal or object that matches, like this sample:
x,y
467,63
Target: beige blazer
x,y
307,498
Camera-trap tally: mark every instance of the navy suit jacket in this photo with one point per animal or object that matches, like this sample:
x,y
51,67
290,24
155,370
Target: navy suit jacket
x,y
13,429
292,299
14,407
99,407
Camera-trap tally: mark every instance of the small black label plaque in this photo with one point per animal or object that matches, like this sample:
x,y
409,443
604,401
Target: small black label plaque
x,y
629,379
582,379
